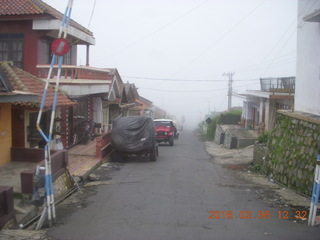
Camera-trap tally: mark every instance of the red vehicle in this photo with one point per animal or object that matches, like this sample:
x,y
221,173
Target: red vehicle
x,y
165,131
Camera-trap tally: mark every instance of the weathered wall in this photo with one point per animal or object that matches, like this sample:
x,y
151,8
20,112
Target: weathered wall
x,y
290,156
230,141
5,132
219,135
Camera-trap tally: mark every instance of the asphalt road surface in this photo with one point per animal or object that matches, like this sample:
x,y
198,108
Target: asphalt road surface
x,y
183,195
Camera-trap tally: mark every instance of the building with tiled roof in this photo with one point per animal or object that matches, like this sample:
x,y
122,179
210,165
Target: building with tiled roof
x,y
27,31
9,95
22,81
32,8
24,113
28,28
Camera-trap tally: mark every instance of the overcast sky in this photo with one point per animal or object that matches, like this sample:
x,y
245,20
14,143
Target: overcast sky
x,y
176,51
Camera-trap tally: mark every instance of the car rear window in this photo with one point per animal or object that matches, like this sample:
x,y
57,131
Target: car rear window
x,y
162,123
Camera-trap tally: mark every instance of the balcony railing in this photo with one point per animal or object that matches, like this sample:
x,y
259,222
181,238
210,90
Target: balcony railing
x,y
283,85
74,72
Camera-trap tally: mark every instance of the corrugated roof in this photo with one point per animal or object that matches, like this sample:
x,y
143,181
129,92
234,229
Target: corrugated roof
x,y
34,7
23,81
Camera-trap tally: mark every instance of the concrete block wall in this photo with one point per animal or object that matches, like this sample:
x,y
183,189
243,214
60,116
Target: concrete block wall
x,y
230,141
219,135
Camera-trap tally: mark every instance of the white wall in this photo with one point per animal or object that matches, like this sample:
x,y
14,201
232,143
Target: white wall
x,y
307,89
97,110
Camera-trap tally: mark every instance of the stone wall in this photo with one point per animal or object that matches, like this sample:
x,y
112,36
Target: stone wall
x,y
260,156
63,184
290,155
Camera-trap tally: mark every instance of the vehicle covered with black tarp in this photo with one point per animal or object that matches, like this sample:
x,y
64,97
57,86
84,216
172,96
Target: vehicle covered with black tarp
x,y
134,135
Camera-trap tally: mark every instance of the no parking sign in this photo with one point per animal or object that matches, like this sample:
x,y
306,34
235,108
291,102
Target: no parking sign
x,y
60,46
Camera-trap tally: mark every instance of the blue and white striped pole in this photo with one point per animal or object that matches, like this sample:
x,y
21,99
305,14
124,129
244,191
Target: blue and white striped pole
x,y
50,206
315,192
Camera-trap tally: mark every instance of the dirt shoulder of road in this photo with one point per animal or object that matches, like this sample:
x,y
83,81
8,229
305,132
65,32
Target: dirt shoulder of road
x,y
240,159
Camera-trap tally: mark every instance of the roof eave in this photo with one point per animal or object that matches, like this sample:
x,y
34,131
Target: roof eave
x,y
53,25
313,17
18,98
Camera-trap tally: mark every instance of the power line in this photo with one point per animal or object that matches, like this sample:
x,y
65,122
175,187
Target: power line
x,y
154,32
185,80
290,36
221,37
181,91
281,60
94,6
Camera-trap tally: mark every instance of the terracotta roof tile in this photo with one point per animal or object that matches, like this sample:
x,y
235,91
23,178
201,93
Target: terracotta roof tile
x,y
23,81
19,7
34,7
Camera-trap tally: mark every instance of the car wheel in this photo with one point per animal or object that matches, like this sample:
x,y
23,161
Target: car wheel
x,y
153,154
116,157
171,141
157,149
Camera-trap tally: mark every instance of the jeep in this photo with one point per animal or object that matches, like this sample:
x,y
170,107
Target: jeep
x,y
133,136
165,131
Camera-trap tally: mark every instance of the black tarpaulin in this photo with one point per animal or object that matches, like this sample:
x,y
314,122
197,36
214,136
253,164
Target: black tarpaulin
x,y
132,134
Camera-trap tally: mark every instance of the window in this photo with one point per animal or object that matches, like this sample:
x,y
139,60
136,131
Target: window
x,y
163,123
45,54
66,58
11,48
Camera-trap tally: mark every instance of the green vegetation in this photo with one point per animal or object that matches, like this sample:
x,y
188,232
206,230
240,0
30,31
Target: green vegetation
x,y
264,137
212,128
234,112
255,167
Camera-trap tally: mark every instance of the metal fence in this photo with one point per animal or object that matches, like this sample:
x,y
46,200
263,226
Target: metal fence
x,y
285,84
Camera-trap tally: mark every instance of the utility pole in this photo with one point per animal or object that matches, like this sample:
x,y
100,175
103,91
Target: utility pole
x,y
230,75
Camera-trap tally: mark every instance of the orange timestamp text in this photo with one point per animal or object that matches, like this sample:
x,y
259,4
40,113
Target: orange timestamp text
x,y
257,215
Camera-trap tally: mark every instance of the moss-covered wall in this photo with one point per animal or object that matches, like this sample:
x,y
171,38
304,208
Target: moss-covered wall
x,y
290,156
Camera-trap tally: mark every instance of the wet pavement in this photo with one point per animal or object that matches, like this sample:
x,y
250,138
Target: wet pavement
x,y
172,199
185,194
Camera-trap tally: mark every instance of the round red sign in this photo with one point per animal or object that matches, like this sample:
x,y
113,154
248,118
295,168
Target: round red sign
x,y
60,46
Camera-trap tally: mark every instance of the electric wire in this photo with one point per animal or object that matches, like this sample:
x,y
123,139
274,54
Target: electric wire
x,y
184,80
92,12
290,36
154,32
220,38
182,91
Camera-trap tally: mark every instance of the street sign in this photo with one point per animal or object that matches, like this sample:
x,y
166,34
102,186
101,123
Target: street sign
x,y
60,46
208,120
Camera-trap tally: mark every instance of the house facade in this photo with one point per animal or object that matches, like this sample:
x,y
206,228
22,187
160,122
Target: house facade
x,y
24,114
147,107
27,30
260,106
8,97
97,91
290,156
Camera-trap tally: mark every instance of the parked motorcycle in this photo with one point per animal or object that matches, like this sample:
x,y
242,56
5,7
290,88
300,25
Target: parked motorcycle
x,y
85,132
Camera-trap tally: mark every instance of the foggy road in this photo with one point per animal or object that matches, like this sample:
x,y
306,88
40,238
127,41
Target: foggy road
x,y
183,195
